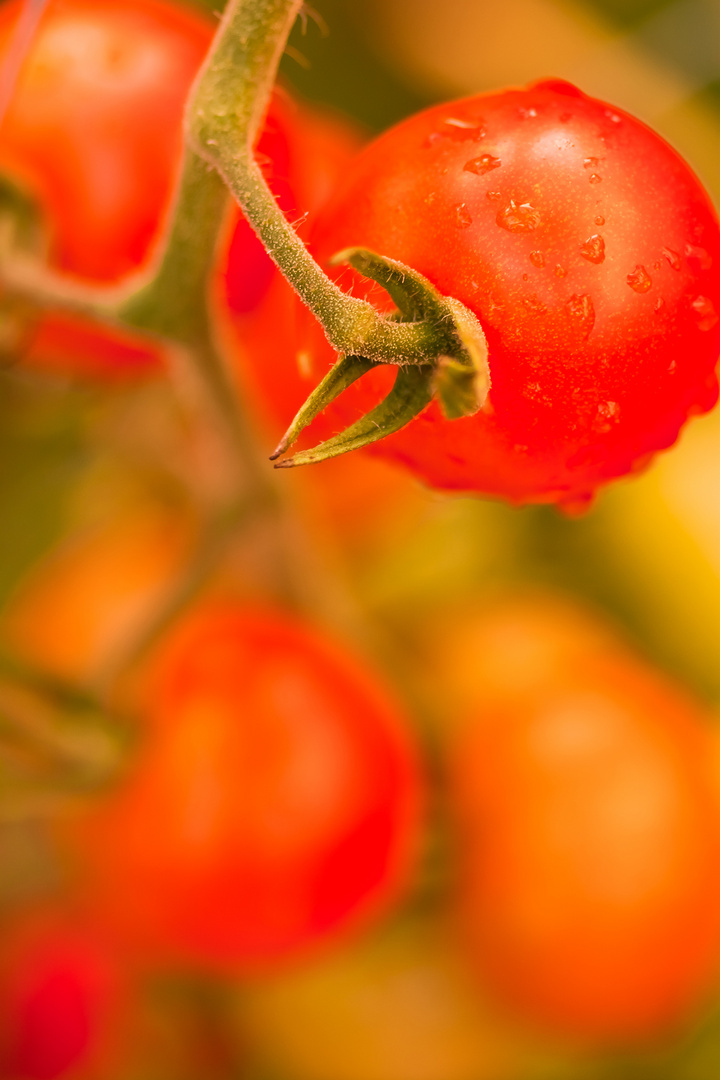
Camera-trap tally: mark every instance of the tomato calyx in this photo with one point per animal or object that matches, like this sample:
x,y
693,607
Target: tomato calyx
x,y
459,375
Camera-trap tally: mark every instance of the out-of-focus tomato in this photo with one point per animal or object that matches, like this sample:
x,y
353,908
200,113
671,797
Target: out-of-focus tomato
x,y
85,603
60,998
399,1005
94,129
588,826
94,133
275,799
71,1007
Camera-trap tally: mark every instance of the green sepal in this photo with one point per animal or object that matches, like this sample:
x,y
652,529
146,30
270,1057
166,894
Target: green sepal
x,y
411,392
457,373
459,333
340,376
455,388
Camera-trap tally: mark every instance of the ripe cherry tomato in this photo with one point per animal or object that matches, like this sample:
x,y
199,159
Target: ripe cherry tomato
x,y
61,997
275,797
94,133
94,129
90,598
591,255
589,827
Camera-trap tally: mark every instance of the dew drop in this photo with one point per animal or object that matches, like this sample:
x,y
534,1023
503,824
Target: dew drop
x,y
525,277
527,114
593,249
483,164
657,265
607,411
671,367
698,256
518,217
457,131
591,162
613,117
537,258
599,220
493,195
594,178
462,216
639,279
560,271
705,312
581,308
672,257
659,304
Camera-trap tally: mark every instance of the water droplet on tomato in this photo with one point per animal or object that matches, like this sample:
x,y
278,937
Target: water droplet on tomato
x,y
483,164
462,216
581,309
671,367
457,130
599,220
527,113
537,258
672,257
525,277
639,279
593,249
705,312
591,162
613,117
698,257
607,412
560,271
594,178
518,217
493,195
574,506
659,304
558,86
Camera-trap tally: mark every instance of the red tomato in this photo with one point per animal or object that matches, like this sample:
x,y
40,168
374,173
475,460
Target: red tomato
x,y
60,997
94,132
275,798
94,128
83,605
591,255
589,828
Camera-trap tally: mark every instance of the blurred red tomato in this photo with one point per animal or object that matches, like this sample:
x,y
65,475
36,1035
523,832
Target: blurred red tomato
x,y
60,998
94,129
589,827
276,796
90,598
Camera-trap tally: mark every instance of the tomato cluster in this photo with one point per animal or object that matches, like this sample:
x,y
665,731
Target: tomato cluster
x,y
549,846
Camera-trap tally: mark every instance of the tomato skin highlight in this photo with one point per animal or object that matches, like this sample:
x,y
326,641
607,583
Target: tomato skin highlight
x,y
591,255
275,798
589,832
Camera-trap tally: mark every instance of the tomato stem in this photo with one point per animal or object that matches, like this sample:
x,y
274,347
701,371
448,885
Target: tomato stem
x,y
224,116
